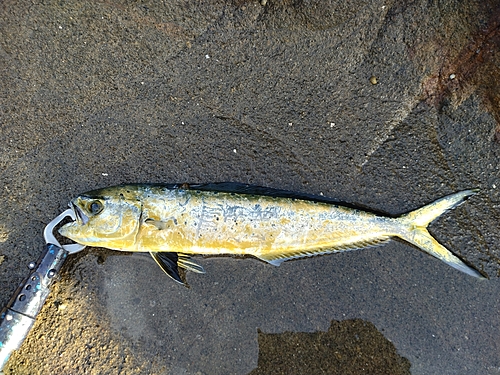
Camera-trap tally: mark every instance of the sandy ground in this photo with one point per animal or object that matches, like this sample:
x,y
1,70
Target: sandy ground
x,y
382,104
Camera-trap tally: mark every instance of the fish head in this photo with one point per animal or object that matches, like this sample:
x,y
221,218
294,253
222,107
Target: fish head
x,y
104,218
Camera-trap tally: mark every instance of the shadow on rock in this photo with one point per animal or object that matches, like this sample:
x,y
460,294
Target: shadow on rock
x,y
348,347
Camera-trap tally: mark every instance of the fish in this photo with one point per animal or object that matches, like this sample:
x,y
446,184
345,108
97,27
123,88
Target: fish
x,y
174,222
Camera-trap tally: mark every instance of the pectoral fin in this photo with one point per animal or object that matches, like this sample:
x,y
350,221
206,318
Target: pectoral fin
x,y
168,263
171,262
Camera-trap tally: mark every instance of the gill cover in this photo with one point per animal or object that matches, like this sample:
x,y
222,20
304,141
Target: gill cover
x,y
107,220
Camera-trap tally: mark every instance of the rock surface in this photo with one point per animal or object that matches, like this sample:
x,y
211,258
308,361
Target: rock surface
x,y
387,105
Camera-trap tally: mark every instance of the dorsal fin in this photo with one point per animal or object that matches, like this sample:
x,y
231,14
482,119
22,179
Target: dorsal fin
x,y
240,188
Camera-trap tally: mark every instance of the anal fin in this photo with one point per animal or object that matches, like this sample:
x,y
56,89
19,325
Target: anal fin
x,y
276,258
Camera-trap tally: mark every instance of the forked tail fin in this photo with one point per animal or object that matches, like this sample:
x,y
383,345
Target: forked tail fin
x,y
415,230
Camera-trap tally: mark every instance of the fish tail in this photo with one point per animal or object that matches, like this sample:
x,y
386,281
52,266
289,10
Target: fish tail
x,y
415,230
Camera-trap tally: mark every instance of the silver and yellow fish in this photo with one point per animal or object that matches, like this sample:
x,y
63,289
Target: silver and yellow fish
x,y
172,222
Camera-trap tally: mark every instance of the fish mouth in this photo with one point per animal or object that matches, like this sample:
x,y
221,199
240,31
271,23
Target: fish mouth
x,y
81,218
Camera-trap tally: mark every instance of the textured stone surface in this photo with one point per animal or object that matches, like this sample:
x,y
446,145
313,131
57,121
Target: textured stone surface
x,y
282,95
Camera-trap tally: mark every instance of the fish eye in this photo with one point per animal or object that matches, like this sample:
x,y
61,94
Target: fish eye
x,y
95,207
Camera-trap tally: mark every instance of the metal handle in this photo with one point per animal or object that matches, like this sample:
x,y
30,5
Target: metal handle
x,y
17,318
